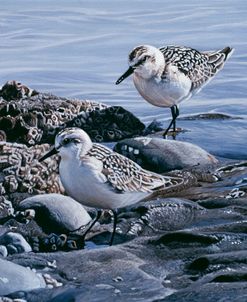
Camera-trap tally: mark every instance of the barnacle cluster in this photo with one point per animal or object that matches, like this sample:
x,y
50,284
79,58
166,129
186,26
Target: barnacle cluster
x,y
20,170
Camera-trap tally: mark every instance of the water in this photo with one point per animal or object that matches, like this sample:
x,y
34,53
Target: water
x,y
79,48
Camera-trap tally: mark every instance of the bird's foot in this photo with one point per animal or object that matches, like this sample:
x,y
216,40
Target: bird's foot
x,y
173,133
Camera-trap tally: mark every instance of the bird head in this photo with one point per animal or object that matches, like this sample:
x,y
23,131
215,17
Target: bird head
x,y
146,61
70,143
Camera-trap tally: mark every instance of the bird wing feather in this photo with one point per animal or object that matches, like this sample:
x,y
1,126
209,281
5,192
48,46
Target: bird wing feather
x,y
200,67
124,175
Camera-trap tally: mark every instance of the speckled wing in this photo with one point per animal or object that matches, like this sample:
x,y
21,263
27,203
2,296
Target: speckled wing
x,y
200,67
124,175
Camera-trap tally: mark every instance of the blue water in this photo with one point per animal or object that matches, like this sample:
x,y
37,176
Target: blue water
x,y
79,48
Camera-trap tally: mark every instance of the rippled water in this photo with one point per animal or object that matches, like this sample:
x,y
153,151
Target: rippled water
x,y
79,49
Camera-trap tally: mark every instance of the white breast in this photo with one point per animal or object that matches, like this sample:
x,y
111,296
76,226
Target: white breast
x,y
164,92
88,186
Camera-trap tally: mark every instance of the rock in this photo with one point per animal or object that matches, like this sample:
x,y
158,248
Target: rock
x,y
14,243
30,117
56,212
14,90
14,277
21,175
156,216
161,155
209,116
109,124
6,207
181,247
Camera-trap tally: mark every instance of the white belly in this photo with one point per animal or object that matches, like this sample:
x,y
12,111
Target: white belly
x,y
89,188
163,93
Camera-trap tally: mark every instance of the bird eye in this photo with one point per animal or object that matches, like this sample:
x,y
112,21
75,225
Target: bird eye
x,y
145,58
142,60
66,141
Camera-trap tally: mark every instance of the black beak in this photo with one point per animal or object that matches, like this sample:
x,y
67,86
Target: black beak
x,y
125,75
48,154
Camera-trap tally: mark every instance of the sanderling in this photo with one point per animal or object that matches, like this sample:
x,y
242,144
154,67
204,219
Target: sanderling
x,y
98,177
169,75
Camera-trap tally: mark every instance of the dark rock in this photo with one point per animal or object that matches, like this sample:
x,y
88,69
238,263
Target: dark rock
x,y
211,292
14,90
109,124
209,116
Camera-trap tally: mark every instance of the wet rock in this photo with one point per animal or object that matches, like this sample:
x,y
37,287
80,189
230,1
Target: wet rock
x,y
209,116
14,277
212,262
154,126
56,212
211,292
150,266
100,267
161,155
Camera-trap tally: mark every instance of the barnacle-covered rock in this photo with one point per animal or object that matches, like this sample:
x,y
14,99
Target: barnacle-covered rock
x,y
30,117
15,90
20,171
109,124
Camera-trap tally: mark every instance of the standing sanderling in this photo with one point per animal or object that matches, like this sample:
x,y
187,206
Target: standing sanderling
x,y
169,75
98,177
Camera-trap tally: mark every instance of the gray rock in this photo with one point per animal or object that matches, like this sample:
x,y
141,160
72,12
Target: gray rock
x,y
15,243
161,155
56,213
14,277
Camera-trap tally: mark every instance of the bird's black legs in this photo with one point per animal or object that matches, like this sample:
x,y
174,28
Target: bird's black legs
x,y
175,114
99,212
114,227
